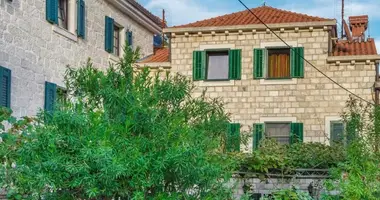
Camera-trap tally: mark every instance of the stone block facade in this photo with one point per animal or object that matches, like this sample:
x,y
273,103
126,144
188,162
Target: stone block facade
x,y
37,51
312,100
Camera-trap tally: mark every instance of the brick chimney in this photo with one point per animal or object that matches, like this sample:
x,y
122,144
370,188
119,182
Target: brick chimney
x,y
358,26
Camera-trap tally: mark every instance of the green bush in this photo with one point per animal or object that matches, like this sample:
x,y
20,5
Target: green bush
x,y
125,134
285,158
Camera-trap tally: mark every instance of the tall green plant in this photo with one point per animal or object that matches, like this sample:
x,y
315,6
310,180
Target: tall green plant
x,y
124,134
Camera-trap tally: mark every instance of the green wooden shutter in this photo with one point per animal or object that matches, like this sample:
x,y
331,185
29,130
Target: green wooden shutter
x,y
50,96
129,36
234,64
109,29
5,87
233,137
52,11
258,63
199,62
81,19
296,133
297,62
336,132
258,133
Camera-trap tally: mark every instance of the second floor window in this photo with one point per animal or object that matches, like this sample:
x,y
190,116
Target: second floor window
x,y
278,63
217,65
63,14
116,38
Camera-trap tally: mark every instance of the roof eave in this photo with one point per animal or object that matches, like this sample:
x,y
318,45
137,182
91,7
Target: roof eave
x,y
249,27
332,59
136,15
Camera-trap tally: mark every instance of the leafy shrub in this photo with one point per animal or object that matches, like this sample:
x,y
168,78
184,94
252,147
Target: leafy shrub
x,y
126,134
288,194
285,158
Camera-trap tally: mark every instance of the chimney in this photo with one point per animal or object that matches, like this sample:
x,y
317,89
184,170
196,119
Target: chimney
x,y
358,26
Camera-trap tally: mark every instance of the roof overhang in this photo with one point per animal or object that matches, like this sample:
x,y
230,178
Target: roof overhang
x,y
250,27
128,9
365,58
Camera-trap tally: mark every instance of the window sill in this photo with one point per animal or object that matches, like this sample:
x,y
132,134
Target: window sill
x,y
278,81
113,57
65,33
216,83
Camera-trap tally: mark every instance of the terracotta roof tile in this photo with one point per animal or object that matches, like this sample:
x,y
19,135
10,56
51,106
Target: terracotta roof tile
x,y
268,14
346,48
161,55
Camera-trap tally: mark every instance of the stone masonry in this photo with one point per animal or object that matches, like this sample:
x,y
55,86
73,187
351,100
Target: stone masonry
x,y
309,100
35,53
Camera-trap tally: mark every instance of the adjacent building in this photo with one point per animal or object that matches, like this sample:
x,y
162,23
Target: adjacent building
x,y
268,87
39,38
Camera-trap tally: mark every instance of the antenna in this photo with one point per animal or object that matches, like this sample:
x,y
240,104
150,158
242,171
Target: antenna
x,y
342,19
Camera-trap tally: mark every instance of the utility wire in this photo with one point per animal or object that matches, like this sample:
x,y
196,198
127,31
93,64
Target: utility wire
x,y
332,80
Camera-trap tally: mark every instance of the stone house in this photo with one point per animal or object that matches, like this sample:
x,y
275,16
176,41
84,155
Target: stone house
x,y
267,86
39,38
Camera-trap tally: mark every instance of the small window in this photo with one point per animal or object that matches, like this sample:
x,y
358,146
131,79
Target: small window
x,y
217,65
63,13
278,64
278,131
62,95
336,132
116,40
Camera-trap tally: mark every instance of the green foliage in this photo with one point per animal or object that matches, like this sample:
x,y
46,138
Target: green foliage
x,y
126,134
289,194
286,158
359,177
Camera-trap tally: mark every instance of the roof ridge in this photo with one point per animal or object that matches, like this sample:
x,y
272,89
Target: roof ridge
x,y
268,14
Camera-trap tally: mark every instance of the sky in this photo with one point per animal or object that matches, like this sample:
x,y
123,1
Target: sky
x,y
186,11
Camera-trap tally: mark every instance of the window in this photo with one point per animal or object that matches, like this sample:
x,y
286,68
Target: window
x,y
63,13
62,95
278,63
217,65
116,40
67,14
278,131
336,132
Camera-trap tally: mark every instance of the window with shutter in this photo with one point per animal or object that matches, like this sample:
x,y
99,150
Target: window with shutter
x,y
233,137
296,134
50,96
130,38
297,62
5,87
235,64
81,19
258,64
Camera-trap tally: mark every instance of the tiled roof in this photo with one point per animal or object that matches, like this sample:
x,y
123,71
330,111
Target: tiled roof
x,y
268,14
346,48
146,12
160,55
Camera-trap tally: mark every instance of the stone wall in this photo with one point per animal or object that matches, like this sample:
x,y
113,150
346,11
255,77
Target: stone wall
x,y
36,53
311,100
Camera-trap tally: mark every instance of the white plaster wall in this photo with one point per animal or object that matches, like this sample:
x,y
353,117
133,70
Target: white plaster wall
x,y
35,53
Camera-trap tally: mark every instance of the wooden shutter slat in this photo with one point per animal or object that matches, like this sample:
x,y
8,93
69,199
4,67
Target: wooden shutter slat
x,y
52,11
233,137
50,96
296,133
5,87
234,64
297,62
109,29
258,63
81,19
257,135
199,65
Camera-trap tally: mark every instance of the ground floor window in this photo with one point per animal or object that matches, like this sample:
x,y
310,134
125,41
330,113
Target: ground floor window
x,y
278,131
